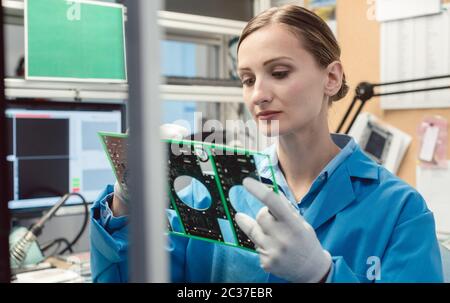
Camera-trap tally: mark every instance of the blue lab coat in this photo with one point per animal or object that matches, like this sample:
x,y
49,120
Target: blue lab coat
x,y
376,227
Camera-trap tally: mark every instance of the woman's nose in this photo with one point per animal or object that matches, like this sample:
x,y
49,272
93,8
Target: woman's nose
x,y
261,93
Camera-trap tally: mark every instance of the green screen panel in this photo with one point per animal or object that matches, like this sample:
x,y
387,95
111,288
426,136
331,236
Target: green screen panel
x,y
75,41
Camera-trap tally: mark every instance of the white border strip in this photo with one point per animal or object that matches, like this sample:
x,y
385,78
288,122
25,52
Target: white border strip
x,y
201,93
19,88
187,22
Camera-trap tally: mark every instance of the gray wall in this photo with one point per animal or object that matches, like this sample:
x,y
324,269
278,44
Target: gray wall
x,y
14,47
228,9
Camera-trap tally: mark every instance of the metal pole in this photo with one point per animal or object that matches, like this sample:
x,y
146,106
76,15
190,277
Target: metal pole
x,y
5,271
147,255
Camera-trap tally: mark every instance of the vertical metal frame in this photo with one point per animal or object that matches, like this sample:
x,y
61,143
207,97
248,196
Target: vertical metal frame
x,y
148,258
5,271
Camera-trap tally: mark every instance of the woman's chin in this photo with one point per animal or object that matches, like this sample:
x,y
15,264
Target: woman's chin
x,y
269,128
270,131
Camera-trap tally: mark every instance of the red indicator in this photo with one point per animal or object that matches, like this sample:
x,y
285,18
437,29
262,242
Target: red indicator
x,y
32,116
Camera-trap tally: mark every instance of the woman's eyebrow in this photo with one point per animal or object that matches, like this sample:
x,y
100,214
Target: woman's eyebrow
x,y
276,59
266,62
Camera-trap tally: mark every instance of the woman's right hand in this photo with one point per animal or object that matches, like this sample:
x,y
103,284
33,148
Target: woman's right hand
x,y
119,205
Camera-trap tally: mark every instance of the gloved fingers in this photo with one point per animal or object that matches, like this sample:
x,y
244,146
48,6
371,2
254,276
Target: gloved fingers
x,y
268,263
278,205
173,131
252,229
121,195
262,251
291,206
267,222
307,226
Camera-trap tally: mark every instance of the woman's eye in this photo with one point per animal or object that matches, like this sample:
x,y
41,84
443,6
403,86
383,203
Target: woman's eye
x,y
248,82
280,74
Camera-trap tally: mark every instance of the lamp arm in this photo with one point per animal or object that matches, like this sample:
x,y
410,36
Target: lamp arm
x,y
365,91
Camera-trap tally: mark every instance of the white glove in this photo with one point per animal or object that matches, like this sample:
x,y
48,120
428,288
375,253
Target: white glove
x,y
120,193
173,131
167,131
287,245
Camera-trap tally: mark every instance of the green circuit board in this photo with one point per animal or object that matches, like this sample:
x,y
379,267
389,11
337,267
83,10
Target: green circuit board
x,y
204,185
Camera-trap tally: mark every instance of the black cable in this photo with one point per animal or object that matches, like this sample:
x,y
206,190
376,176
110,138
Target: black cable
x,y
83,227
19,250
56,241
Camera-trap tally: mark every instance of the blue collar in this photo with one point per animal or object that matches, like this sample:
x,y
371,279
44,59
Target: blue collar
x,y
349,163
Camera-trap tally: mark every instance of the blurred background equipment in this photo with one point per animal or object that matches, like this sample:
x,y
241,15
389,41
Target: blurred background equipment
x,y
382,142
366,91
54,150
20,246
388,10
433,136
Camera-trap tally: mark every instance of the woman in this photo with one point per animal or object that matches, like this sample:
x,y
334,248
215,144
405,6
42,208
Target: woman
x,y
352,220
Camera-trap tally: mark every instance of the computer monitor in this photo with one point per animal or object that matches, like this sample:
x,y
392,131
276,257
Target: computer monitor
x,y
54,149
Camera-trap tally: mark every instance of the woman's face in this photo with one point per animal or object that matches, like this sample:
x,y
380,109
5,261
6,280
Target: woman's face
x,y
282,81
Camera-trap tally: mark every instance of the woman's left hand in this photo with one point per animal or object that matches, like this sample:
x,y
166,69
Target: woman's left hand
x,y
287,245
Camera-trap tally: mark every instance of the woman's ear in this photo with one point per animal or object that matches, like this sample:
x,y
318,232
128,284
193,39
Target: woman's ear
x,y
334,78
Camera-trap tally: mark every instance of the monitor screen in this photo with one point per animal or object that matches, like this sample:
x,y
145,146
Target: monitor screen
x,y
55,151
375,144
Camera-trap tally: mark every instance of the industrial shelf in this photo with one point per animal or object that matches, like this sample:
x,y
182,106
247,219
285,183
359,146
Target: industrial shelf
x,y
174,24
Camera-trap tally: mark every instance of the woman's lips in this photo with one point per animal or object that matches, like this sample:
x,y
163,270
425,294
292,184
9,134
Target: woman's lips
x,y
268,115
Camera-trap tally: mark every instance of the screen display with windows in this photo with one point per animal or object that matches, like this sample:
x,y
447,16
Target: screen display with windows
x,y
53,152
375,145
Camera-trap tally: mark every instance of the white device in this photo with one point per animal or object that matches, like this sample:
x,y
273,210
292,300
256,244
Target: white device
x,y
384,143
